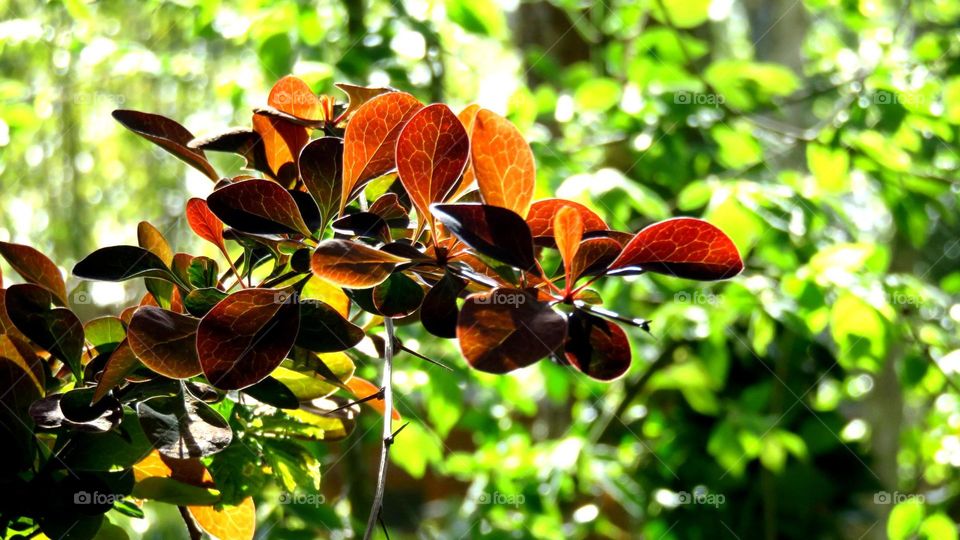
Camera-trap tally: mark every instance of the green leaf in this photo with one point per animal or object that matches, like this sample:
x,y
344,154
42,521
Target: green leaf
x,y
598,94
905,519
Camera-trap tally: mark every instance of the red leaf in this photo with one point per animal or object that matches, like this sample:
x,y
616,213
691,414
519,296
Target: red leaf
x,y
597,347
357,96
204,223
432,150
282,143
259,207
493,231
593,256
121,362
506,329
34,267
292,96
361,388
165,342
568,229
540,218
682,247
246,336
351,264
503,163
370,141
321,168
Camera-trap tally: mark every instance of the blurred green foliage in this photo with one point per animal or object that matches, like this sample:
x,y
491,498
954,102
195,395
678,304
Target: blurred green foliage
x,y
815,396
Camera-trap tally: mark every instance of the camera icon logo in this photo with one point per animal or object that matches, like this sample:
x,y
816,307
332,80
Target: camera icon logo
x,y
881,497
682,98
684,497
81,298
81,497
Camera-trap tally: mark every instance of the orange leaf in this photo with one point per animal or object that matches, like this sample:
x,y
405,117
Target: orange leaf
x,y
369,143
361,388
467,117
568,230
541,215
292,96
189,471
35,267
204,223
227,522
503,163
282,142
358,95
351,264
432,150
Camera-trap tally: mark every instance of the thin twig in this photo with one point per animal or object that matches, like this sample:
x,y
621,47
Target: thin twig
x,y
195,532
387,385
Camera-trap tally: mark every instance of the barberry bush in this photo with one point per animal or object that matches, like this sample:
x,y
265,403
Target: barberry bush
x,y
351,222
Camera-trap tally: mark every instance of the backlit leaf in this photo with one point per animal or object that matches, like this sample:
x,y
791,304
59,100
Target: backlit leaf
x,y
502,162
153,241
597,347
204,223
351,264
57,330
34,267
236,522
432,150
541,216
593,256
493,231
398,296
122,361
259,207
246,336
370,140
21,375
505,329
242,141
568,232
362,388
292,96
120,263
438,313
682,247
357,96
167,134
282,142
274,393
105,333
165,342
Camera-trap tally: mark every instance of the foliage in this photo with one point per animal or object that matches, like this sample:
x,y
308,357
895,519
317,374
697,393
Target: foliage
x,y
159,373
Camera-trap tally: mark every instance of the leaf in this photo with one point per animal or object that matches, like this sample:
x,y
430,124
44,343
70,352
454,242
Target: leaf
x,y
120,263
351,264
188,471
247,143
322,378
357,96
236,522
203,272
370,140
167,134
204,223
153,241
35,267
199,301
467,117
596,347
593,257
318,289
57,330
362,388
274,393
432,151
321,168
542,213
170,491
568,231
491,230
116,449
292,96
438,313
323,329
21,376
165,342
282,142
682,247
502,162
258,207
105,333
246,336
398,296
182,426
505,329
121,363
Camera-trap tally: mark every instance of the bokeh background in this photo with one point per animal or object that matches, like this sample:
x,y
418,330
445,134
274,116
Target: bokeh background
x,y
815,396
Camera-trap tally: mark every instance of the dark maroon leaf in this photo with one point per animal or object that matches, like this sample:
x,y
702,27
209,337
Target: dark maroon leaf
x,y
120,263
438,313
321,168
597,347
366,224
246,336
57,330
493,231
308,209
243,141
258,207
273,392
323,329
593,257
35,267
165,342
167,134
506,329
